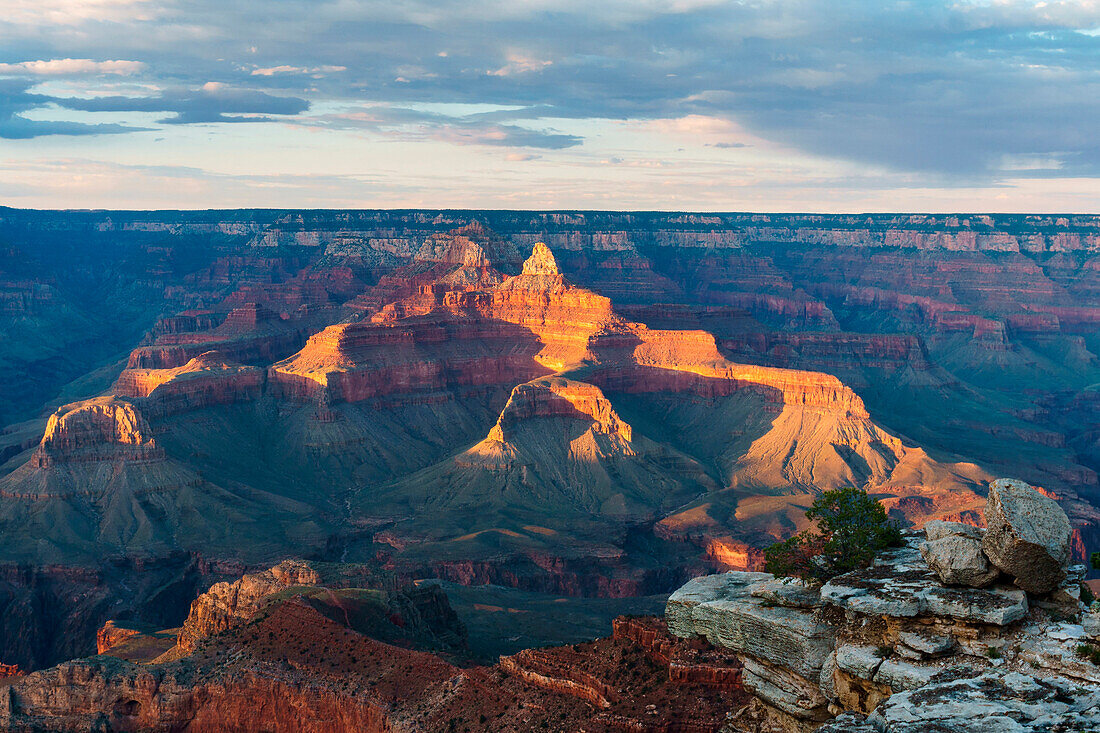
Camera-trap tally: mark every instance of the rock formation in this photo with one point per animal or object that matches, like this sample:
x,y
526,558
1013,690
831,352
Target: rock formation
x,y
308,659
1027,535
954,551
896,645
340,384
111,635
102,429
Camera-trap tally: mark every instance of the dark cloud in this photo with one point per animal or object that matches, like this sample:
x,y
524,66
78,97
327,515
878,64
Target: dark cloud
x,y
15,100
945,90
211,103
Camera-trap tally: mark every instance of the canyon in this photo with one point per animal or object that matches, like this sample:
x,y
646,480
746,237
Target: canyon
x,y
586,404
899,646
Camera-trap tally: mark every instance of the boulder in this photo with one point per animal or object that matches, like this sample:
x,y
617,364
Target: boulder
x,y
1027,535
937,529
958,560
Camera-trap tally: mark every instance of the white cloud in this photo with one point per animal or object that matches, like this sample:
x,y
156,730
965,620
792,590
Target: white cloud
x,y
71,67
519,63
314,70
72,12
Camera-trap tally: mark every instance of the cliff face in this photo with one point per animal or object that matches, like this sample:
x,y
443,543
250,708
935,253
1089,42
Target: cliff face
x,y
101,429
296,666
204,381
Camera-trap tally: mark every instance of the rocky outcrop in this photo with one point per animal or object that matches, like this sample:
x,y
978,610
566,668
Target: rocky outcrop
x,y
1027,535
204,381
228,604
559,397
404,615
111,635
993,701
782,648
541,261
954,552
901,648
102,429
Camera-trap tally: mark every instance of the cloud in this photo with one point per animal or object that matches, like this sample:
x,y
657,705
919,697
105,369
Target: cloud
x,y
728,145
15,100
213,102
73,12
473,129
277,70
71,67
504,135
946,90
519,63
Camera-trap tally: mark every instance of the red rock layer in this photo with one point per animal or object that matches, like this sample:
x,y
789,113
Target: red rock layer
x,y
294,669
689,663
205,380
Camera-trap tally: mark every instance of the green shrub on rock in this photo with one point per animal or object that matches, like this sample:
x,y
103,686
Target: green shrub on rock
x,y
851,529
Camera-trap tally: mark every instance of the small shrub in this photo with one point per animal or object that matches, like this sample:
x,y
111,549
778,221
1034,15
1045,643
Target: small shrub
x,y
882,652
1087,596
993,652
852,528
1094,559
1089,652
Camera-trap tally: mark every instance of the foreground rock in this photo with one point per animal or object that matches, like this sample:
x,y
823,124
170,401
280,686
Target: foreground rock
x,y
994,702
900,650
954,552
1027,535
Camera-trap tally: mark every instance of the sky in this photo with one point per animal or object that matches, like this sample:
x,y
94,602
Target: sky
x,y
708,105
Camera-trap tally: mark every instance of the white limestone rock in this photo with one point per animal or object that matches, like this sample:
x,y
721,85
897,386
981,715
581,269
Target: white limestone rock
x,y
958,560
722,609
900,675
927,643
937,529
903,586
790,592
791,693
861,661
994,702
1027,535
1090,622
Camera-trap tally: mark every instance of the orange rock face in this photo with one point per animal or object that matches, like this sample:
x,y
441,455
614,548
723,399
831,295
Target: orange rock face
x,y
111,635
96,430
204,381
228,604
10,670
